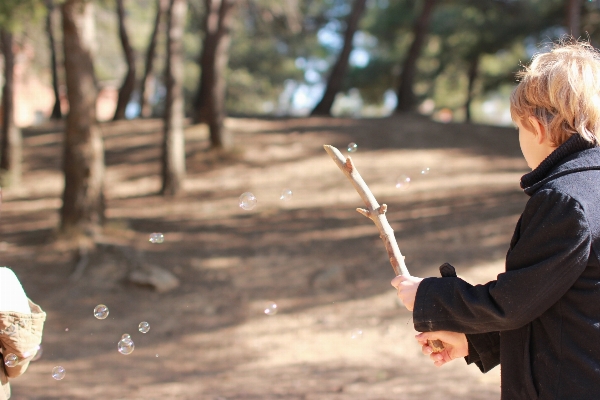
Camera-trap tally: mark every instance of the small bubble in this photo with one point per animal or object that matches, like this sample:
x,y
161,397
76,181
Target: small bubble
x,y
58,373
425,170
125,336
356,334
100,312
286,195
11,360
352,147
157,355
402,182
144,327
156,237
271,309
67,329
125,346
247,201
38,353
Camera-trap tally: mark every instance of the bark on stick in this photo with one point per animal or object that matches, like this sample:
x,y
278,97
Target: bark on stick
x,y
375,213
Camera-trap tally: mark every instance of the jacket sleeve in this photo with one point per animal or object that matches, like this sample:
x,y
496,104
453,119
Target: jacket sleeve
x,y
484,350
549,252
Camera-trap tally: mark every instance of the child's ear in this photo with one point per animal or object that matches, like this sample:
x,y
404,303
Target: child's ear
x,y
538,128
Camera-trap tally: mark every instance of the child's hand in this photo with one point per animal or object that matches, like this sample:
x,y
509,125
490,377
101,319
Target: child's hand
x,y
455,346
407,289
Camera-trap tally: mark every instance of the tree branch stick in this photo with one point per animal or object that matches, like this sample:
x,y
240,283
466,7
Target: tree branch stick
x,y
374,211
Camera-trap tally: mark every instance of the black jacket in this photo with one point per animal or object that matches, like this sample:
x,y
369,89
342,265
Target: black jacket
x,y
540,319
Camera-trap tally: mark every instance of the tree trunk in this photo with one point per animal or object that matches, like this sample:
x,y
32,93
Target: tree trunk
x,y
11,141
473,71
209,103
173,155
574,17
56,111
129,83
406,96
146,109
336,77
83,198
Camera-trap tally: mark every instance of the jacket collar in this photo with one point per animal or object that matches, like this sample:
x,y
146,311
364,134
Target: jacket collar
x,y
575,154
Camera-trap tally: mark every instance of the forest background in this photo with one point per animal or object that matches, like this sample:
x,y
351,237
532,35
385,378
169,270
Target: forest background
x,y
117,115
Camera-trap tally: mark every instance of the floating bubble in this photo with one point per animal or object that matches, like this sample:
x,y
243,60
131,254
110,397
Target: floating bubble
x,y
352,147
125,346
157,355
144,327
425,171
356,334
58,372
402,182
38,353
100,312
157,237
11,360
286,194
271,309
125,336
247,201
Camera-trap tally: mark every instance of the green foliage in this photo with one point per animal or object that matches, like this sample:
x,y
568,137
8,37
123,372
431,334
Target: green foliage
x,y
13,13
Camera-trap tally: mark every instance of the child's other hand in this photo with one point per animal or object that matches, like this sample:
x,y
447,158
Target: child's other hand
x,y
455,346
407,289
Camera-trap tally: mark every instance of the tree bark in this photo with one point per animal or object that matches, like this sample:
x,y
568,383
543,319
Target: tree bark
x,y
338,72
11,141
473,71
406,96
209,103
83,198
129,83
56,111
574,17
173,154
146,109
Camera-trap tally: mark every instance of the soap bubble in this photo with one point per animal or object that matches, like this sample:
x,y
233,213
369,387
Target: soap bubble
x,y
157,237
402,182
58,372
125,346
38,353
286,194
144,327
356,334
352,147
425,170
11,360
247,201
100,312
126,336
271,309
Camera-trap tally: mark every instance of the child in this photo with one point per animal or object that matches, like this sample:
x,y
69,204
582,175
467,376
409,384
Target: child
x,y
21,324
540,319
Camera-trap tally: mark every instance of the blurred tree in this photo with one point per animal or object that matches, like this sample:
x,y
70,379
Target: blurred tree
x,y
406,97
573,15
173,153
209,103
83,197
56,111
11,140
145,86
338,72
128,85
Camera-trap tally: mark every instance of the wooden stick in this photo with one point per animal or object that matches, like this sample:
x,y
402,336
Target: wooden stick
x,y
375,213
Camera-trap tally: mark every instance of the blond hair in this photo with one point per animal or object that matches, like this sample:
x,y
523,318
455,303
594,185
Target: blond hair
x,y
561,89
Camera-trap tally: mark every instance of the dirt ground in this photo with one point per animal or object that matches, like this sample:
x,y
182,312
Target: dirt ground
x,y
339,332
